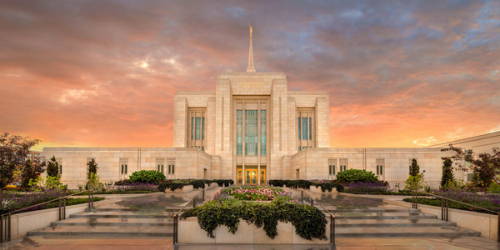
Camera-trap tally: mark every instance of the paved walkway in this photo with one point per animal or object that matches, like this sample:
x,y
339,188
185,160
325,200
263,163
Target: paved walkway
x,y
143,205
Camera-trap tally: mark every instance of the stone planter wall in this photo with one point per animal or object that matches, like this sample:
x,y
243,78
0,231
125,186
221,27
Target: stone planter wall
x,y
23,223
191,233
487,224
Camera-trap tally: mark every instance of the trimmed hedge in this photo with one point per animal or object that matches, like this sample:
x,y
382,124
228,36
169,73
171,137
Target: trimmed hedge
x,y
147,176
437,203
324,185
309,222
180,183
356,175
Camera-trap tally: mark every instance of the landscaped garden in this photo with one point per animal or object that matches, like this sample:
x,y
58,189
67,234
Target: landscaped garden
x,y
261,206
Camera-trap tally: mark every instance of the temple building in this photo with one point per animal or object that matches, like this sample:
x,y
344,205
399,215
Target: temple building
x,y
251,129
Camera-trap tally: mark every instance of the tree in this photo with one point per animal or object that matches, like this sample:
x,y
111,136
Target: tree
x,y
32,169
414,168
91,168
93,182
447,177
53,167
415,179
484,167
14,152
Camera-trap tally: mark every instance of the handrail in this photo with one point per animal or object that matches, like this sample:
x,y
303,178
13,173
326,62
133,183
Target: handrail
x,y
42,203
463,203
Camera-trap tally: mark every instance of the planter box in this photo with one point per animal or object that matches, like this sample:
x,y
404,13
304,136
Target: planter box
x,y
191,233
185,189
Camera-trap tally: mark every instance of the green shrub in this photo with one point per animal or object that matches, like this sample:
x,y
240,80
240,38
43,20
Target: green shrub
x,y
53,183
414,183
356,175
494,188
147,176
291,183
309,221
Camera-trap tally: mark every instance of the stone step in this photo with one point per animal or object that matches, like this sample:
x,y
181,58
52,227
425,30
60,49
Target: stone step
x,y
106,229
118,216
371,210
111,224
98,234
139,212
409,235
380,213
397,224
386,217
117,220
376,221
413,229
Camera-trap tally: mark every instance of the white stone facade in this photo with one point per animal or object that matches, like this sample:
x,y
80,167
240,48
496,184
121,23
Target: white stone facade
x,y
251,129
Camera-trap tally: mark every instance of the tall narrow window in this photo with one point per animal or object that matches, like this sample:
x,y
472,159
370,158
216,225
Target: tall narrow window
x,y
171,166
343,164
196,128
305,128
160,165
380,167
123,162
251,132
263,132
239,132
332,166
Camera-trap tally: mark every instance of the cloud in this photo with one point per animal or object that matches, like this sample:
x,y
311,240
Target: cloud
x,y
103,73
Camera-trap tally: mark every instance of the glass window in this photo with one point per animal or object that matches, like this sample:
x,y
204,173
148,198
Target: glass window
x,y
239,131
263,132
251,132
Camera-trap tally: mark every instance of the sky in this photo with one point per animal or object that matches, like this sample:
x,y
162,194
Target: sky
x,y
104,73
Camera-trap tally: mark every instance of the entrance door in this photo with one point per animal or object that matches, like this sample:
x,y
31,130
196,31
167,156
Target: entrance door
x,y
251,176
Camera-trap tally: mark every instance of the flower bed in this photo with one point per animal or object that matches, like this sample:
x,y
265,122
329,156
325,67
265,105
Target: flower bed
x,y
238,204
14,201
488,201
180,183
253,193
309,222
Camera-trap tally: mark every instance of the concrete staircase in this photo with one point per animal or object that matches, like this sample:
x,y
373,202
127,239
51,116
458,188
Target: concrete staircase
x,y
111,223
393,222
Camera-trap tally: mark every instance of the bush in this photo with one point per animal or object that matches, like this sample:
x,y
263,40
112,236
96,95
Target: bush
x,y
53,183
224,183
367,187
291,183
309,222
147,176
356,175
53,167
414,183
494,188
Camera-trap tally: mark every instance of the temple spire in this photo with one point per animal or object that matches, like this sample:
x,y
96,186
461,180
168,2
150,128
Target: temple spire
x,y
250,67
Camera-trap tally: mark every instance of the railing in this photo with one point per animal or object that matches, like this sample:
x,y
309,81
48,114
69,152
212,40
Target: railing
x,y
5,219
445,206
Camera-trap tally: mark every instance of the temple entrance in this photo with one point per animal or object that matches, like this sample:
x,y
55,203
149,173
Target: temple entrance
x,y
250,175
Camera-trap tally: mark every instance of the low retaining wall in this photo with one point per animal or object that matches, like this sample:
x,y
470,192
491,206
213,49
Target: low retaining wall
x,y
184,189
23,223
189,232
487,224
